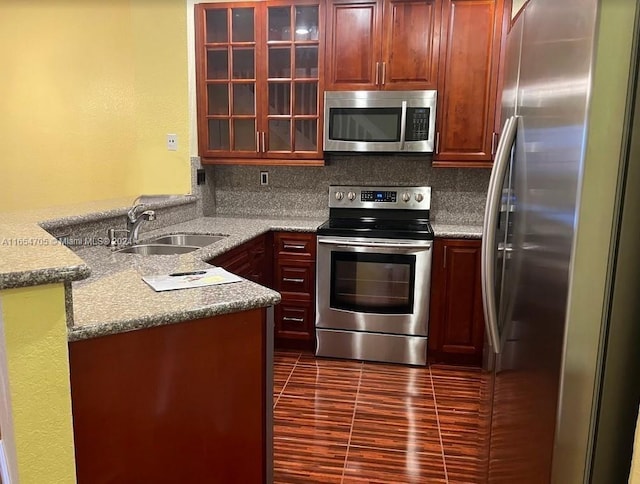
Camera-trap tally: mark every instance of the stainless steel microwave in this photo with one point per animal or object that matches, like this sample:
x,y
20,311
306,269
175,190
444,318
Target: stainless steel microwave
x,y
380,121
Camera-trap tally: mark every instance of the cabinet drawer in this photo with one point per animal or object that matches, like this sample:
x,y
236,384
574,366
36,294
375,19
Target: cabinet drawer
x,y
295,277
298,245
294,319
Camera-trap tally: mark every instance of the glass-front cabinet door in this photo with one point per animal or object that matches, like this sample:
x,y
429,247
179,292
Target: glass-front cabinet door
x,y
294,63
227,77
260,93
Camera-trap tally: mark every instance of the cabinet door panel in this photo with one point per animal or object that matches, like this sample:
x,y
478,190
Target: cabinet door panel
x,y
353,33
468,80
411,44
456,326
295,59
227,78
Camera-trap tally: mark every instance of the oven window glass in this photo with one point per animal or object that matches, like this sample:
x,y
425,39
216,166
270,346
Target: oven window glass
x,y
365,124
372,283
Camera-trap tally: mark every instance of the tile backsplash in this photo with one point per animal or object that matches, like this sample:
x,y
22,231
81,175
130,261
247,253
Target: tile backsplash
x,y
458,195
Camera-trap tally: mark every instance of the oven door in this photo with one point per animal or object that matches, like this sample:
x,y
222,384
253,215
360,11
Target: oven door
x,y
373,285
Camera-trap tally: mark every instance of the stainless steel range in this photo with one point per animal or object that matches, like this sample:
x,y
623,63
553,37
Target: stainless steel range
x,y
374,274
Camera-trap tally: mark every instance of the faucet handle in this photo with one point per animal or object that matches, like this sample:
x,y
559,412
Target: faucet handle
x,y
150,214
131,214
111,235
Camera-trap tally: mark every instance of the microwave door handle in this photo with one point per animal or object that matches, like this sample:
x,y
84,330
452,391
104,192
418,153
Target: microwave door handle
x,y
403,125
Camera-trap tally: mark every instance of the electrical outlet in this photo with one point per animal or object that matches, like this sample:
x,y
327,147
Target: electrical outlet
x,y
264,178
201,178
172,142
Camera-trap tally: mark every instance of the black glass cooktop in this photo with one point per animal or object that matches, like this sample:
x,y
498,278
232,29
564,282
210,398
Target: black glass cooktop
x,y
416,229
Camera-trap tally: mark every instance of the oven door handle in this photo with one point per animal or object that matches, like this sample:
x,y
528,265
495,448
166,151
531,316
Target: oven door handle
x,y
378,245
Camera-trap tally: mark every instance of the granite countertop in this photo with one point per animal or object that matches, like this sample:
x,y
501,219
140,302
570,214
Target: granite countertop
x,y
458,231
116,299
30,256
108,294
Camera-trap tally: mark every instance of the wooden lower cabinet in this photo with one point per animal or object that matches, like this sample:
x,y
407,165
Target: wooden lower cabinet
x,y
456,321
286,262
294,278
251,260
183,402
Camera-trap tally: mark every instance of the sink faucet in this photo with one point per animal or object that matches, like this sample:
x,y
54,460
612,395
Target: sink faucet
x,y
134,221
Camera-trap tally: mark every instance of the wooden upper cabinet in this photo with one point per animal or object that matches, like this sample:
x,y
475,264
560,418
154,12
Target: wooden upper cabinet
x,y
411,43
353,47
385,44
259,82
468,82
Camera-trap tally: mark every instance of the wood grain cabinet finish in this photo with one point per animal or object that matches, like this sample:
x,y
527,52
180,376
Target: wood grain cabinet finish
x,y
384,44
470,50
251,260
294,278
183,402
456,323
259,82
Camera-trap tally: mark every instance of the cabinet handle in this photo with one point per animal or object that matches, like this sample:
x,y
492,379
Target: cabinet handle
x,y
292,279
494,143
437,142
295,320
377,73
258,141
264,144
444,262
384,72
293,246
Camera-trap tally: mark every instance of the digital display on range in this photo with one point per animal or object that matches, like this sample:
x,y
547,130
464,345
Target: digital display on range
x,y
378,196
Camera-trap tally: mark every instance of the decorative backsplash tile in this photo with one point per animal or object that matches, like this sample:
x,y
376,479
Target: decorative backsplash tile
x,y
458,195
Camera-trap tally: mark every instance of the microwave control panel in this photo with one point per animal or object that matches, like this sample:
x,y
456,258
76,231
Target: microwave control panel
x,y
417,124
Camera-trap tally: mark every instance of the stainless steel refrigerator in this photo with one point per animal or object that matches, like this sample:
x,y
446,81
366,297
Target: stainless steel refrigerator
x,y
560,258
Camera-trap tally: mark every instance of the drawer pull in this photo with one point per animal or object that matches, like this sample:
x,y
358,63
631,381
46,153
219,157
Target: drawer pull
x,y
294,246
291,279
295,320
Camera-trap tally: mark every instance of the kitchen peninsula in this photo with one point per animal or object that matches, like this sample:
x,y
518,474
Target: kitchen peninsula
x,y
173,382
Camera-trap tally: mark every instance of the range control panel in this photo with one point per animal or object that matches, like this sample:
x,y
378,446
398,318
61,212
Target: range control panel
x,y
413,198
378,196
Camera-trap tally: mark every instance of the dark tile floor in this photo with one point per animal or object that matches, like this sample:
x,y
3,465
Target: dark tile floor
x,y
339,421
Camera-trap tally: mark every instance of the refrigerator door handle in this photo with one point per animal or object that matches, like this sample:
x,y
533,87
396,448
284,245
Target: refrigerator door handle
x,y
494,195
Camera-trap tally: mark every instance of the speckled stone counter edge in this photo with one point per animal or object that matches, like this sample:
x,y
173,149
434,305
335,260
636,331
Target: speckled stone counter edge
x,y
94,331
38,277
116,212
52,275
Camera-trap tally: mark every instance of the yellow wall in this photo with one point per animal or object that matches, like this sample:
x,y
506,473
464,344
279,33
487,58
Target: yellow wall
x,y
160,63
85,106
37,428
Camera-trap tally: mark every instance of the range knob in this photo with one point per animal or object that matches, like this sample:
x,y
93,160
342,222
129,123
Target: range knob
x,y
406,197
339,195
351,196
419,197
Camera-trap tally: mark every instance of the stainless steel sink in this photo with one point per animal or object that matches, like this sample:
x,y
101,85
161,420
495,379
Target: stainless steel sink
x,y
158,249
187,239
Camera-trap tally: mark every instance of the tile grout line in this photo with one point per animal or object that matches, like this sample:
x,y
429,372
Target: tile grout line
x,y
286,382
353,419
435,402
